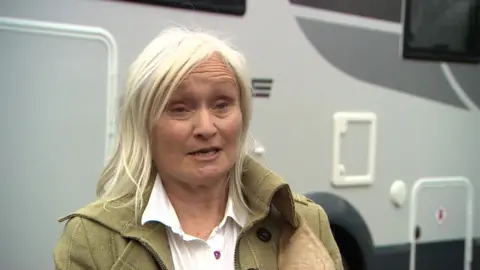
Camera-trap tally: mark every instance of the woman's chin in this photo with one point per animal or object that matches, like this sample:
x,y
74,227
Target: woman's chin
x,y
209,174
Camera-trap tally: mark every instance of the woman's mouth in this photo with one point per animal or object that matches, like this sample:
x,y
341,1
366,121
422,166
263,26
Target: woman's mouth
x,y
205,152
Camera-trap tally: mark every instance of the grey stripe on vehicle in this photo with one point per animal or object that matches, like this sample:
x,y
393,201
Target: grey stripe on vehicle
x,y
389,10
373,56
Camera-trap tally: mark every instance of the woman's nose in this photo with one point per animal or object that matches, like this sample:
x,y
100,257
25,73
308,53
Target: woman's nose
x,y
205,124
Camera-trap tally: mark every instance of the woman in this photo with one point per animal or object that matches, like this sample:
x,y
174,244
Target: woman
x,y
180,191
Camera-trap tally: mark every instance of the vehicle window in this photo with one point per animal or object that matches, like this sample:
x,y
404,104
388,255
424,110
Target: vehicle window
x,y
231,7
445,30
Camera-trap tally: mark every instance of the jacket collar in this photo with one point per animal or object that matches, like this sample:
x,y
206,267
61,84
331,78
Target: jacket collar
x,y
262,189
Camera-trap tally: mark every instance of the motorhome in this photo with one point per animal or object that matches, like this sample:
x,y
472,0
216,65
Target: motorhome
x,y
352,106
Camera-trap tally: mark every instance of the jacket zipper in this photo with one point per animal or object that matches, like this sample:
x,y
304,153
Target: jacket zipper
x,y
242,233
248,227
235,260
155,255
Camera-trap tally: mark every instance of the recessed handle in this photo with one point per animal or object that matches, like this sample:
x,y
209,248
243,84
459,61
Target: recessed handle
x,y
418,232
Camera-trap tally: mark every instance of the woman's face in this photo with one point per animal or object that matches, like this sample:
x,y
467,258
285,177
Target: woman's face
x,y
195,140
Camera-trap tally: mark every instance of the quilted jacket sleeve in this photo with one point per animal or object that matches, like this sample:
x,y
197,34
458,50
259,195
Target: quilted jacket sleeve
x,y
328,240
318,220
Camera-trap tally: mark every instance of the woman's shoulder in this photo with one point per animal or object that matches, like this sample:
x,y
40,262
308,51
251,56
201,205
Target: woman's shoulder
x,y
84,242
99,218
97,237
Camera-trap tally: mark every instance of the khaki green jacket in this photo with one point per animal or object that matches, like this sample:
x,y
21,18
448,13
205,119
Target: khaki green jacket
x,y
285,231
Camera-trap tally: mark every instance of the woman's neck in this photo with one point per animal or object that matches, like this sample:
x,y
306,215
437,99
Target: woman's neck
x,y
199,209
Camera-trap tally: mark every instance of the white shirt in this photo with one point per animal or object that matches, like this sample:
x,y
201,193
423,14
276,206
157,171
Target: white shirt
x,y
189,252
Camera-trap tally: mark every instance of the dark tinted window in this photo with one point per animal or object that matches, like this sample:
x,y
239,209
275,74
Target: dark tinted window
x,y
232,7
442,29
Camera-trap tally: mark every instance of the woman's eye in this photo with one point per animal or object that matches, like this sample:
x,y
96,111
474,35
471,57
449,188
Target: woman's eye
x,y
178,110
221,105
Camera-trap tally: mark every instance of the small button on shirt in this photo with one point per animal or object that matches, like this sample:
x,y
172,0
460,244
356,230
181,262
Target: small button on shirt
x,y
189,252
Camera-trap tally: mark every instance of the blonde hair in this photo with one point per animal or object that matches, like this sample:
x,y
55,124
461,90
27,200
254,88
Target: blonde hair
x,y
153,76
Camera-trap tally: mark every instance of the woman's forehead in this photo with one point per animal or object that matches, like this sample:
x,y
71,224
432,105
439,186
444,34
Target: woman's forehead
x,y
212,69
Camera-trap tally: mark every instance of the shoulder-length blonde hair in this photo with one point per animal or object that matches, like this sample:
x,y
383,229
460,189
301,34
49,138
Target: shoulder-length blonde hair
x,y
152,78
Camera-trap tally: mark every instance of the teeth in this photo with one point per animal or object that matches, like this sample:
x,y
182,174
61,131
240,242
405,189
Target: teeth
x,y
208,153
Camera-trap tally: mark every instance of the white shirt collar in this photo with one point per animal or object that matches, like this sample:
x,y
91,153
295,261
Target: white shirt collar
x,y
159,208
